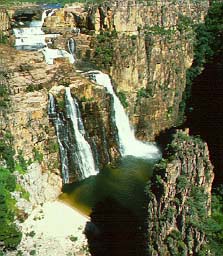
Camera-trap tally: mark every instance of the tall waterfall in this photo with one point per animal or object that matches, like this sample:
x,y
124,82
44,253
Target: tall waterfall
x,y
84,153
59,126
75,152
129,145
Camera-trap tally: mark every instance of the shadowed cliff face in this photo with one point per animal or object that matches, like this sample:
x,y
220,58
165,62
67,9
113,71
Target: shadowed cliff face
x,y
205,114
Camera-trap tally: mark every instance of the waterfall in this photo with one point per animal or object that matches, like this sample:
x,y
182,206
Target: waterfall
x,y
31,37
129,145
84,153
71,45
59,126
75,152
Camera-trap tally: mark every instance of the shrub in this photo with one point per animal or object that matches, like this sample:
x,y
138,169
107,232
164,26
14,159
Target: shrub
x,y
38,156
122,97
10,236
6,151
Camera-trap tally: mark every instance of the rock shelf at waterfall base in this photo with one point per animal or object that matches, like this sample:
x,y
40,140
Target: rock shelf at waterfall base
x,y
53,229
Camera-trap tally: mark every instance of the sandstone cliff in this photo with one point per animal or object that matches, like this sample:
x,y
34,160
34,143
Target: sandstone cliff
x,y
179,198
147,49
29,81
151,53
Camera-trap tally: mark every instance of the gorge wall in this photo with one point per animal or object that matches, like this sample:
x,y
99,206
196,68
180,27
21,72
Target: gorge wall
x,y
179,198
147,49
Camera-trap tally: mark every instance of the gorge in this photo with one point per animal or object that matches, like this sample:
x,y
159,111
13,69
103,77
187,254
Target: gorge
x,y
81,103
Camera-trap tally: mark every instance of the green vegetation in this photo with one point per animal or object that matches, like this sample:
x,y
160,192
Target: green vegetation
x,y
22,163
144,93
34,87
52,146
73,238
6,151
4,94
38,156
60,103
184,23
122,97
213,226
33,252
104,49
3,38
10,236
159,30
23,193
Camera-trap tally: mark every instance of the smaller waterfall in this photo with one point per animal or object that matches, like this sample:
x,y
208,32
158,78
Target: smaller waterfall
x,y
71,45
59,126
84,153
129,145
32,37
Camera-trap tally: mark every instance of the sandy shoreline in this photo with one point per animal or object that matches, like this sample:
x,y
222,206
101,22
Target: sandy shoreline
x,y
54,229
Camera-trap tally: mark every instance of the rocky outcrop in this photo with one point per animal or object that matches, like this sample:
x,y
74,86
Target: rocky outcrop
x,y
25,118
179,198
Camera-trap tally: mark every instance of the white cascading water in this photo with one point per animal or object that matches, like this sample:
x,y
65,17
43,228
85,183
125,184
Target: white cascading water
x,y
84,153
33,37
59,126
129,145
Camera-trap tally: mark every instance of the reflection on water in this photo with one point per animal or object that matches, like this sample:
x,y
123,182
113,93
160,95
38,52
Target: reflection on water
x,y
116,203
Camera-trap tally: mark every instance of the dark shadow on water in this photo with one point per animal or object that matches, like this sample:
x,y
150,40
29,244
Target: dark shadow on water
x,y
115,230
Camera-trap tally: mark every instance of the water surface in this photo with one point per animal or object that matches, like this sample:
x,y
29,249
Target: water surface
x,y
124,183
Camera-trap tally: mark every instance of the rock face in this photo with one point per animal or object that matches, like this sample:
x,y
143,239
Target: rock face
x,y
179,198
4,22
147,56
147,49
25,118
29,81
